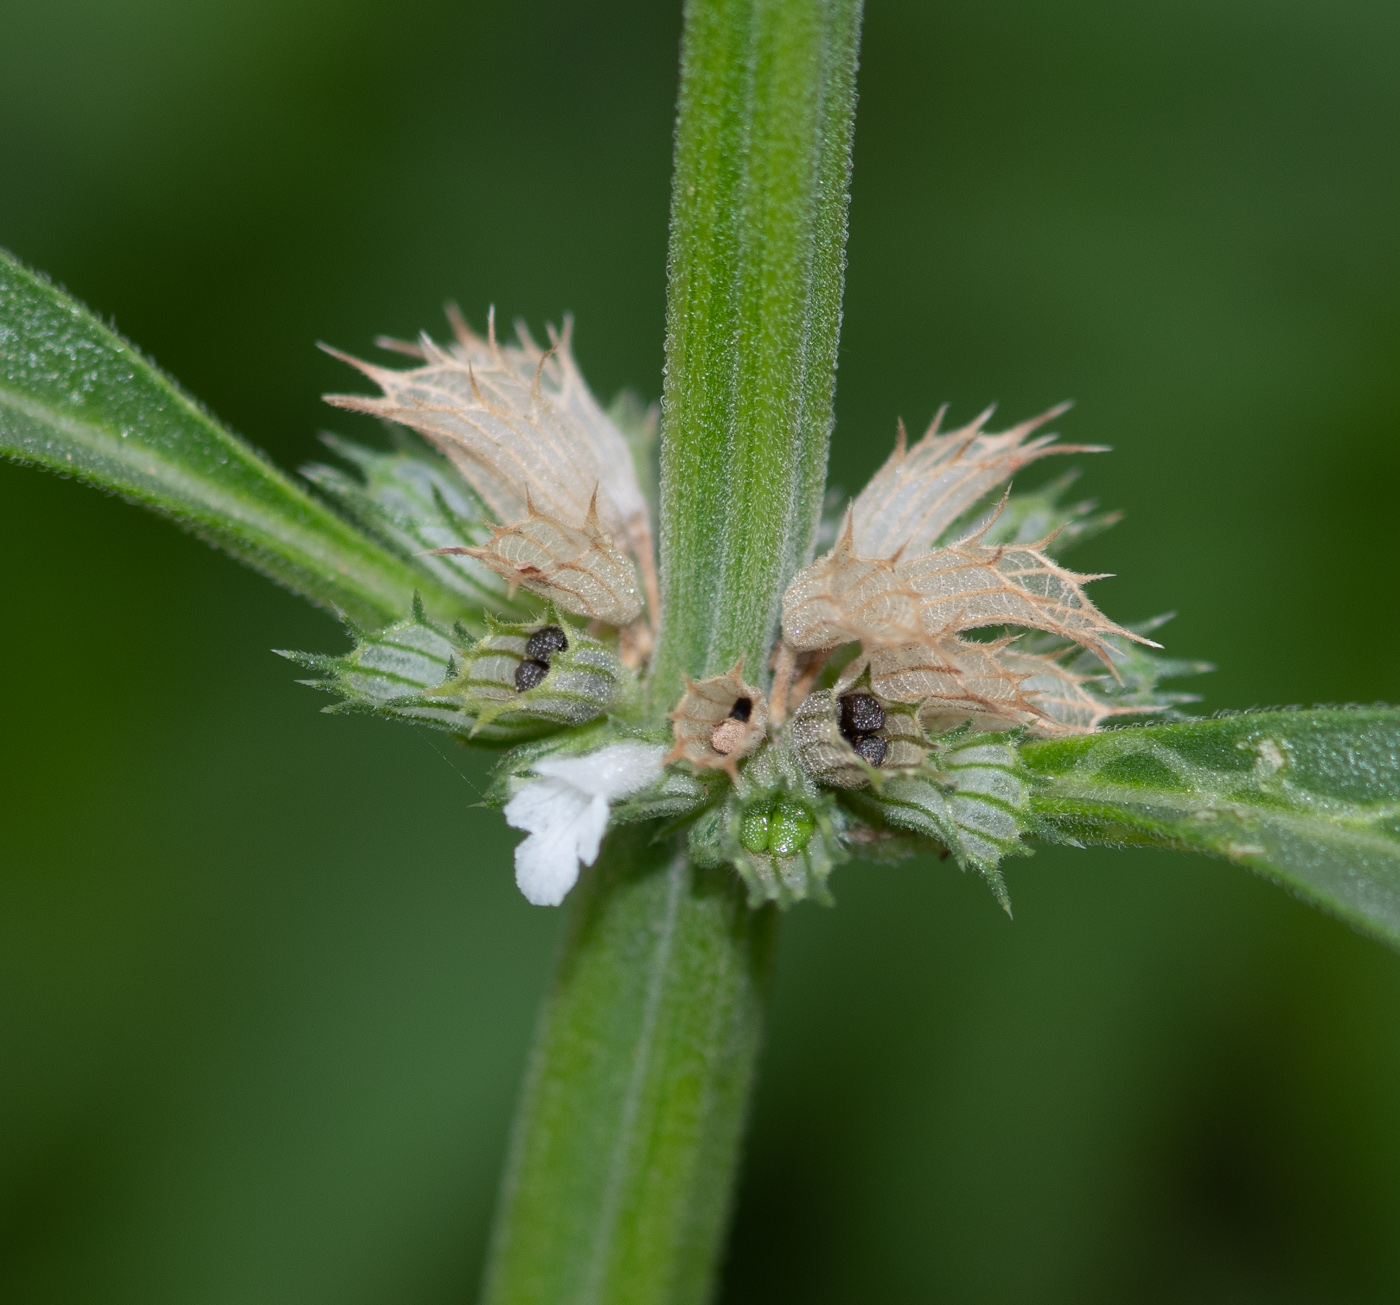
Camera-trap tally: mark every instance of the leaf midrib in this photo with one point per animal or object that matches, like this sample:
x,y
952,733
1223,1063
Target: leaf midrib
x,y
1331,828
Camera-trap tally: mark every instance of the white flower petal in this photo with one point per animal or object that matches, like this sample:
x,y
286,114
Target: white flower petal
x,y
544,804
615,771
565,812
546,867
589,830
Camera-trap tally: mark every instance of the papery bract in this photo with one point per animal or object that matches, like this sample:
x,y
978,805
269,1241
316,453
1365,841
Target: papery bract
x,y
521,426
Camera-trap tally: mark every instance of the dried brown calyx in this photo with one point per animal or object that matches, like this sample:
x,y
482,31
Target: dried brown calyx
x,y
576,568
887,602
519,423
908,604
921,491
718,721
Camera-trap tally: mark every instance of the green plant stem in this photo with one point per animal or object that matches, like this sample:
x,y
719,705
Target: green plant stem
x,y
758,234
618,1182
627,1140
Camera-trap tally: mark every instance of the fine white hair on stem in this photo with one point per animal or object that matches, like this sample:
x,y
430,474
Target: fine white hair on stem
x,y
565,812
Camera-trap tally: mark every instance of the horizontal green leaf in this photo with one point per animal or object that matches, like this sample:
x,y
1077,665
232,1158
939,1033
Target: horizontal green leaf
x,y
1310,799
77,398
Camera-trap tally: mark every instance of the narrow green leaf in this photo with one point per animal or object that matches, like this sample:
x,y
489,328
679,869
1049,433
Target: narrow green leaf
x,y
758,234
1310,799
77,398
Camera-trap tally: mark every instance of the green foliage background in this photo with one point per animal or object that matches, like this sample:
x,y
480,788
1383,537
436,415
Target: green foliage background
x,y
265,984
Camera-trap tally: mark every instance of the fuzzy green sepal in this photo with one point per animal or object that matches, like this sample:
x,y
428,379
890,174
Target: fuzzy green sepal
x,y
814,735
412,499
973,798
583,681
419,672
777,829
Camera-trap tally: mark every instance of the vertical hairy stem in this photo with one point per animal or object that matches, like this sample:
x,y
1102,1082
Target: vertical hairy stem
x,y
758,235
619,1177
627,1140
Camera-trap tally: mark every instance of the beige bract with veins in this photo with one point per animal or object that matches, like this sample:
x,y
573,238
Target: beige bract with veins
x,y
521,426
577,569
908,603
920,492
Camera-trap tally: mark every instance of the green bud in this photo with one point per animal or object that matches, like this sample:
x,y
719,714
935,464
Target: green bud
x,y
753,828
777,830
790,826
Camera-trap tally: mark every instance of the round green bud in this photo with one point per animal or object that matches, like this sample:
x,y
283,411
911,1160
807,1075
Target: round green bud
x,y
790,826
753,828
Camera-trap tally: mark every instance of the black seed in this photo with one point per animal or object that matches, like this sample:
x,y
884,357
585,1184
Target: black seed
x,y
861,714
871,749
530,673
741,710
545,642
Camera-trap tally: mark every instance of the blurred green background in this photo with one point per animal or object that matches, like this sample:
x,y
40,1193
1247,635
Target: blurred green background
x,y
265,984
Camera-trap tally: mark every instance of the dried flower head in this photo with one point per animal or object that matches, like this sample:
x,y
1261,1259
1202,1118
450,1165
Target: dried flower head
x,y
920,492
907,602
520,425
577,568
889,724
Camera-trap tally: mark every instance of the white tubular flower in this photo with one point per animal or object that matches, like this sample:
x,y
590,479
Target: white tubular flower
x,y
565,812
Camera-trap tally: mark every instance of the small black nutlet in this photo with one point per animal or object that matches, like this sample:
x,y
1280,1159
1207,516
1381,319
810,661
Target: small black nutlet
x,y
860,714
741,710
870,748
545,642
530,674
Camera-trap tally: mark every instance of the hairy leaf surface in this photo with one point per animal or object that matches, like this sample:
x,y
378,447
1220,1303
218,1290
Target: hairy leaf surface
x,y
77,398
1308,798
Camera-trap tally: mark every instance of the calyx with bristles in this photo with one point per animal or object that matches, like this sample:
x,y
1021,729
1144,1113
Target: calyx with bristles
x,y
576,568
921,491
777,829
890,602
718,721
520,425
833,748
573,677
